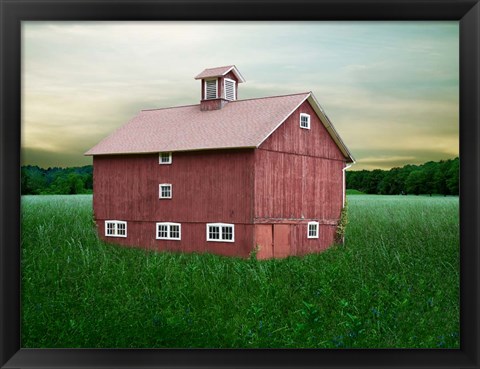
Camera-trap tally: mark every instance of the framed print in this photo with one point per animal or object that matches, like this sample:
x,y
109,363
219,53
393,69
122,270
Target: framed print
x,y
175,179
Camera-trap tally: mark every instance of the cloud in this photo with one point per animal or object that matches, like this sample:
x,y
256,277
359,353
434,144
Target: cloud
x,y
50,158
397,157
385,85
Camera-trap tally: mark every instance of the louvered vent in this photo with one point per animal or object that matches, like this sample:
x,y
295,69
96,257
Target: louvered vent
x,y
211,89
229,89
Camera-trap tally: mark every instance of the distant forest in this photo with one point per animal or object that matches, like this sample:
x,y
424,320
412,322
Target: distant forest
x,y
440,178
56,181
430,178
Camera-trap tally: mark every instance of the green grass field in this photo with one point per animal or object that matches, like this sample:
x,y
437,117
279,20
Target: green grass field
x,y
395,284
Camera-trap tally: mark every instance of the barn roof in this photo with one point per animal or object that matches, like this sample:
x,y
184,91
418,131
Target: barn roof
x,y
239,124
220,71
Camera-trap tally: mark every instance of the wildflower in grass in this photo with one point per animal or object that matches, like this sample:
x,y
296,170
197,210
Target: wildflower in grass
x,y
441,341
338,341
156,321
454,334
375,312
430,302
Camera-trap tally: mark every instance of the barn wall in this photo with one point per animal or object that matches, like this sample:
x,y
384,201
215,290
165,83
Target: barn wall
x,y
298,172
298,178
289,186
285,239
142,235
207,186
316,141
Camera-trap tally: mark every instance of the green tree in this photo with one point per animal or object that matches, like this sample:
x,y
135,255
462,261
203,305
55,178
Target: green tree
x,y
430,185
67,183
33,180
373,180
415,182
452,177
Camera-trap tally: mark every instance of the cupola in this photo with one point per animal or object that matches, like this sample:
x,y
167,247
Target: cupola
x,y
219,86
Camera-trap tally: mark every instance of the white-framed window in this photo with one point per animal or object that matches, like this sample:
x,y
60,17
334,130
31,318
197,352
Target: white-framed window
x,y
220,232
165,158
169,231
229,88
115,228
304,121
165,191
211,88
312,231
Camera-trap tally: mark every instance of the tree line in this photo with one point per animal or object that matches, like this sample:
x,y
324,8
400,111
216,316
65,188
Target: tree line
x,y
430,178
58,181
440,177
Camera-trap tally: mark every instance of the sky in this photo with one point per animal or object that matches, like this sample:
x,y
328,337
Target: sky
x,y
391,89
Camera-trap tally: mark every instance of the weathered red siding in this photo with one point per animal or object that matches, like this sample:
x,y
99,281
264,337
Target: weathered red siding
x,y
212,104
269,194
142,235
293,239
298,178
291,186
207,186
290,138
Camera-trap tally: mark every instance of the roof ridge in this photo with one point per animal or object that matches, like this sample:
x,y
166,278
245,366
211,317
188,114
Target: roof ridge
x,y
223,66
230,102
170,107
270,97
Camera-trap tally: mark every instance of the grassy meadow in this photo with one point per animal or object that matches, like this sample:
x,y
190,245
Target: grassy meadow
x,y
395,284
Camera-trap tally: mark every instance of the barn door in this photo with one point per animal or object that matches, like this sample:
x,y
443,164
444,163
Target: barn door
x,y
264,239
281,240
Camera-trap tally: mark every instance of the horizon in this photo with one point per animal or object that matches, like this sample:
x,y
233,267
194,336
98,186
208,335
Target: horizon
x,y
391,89
351,169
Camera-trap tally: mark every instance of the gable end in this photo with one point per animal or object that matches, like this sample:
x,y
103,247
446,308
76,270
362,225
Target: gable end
x,y
293,136
309,142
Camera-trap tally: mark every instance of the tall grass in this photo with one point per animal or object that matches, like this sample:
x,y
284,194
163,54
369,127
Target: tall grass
x,y
395,283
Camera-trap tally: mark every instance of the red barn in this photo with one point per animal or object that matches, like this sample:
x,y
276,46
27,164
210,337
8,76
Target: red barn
x,y
225,176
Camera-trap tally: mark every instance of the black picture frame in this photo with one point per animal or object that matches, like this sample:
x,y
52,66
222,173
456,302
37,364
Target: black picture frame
x,y
13,12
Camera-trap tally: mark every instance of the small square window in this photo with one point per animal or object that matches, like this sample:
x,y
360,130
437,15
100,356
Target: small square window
x,y
110,229
121,229
162,231
220,232
312,230
165,191
165,158
214,232
227,233
169,231
175,231
115,228
304,121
